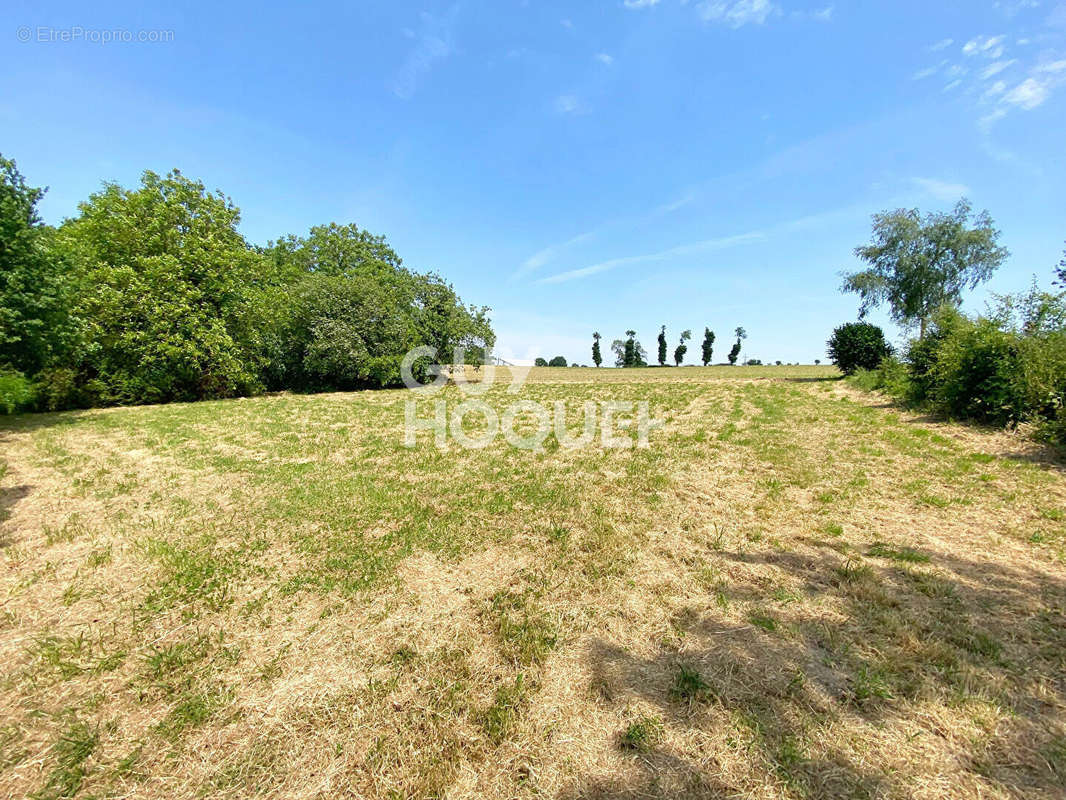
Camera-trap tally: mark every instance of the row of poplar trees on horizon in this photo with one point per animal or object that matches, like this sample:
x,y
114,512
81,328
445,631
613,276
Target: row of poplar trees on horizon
x,y
629,352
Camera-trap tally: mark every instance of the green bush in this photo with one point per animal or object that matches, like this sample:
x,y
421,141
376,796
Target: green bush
x,y
891,377
857,345
16,392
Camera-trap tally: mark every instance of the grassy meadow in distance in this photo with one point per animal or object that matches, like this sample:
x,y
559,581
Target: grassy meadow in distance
x,y
798,591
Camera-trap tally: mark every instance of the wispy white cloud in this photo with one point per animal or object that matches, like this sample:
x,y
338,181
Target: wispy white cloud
x,y
943,44
994,84
552,252
987,46
568,104
737,13
1028,94
996,67
605,58
640,3
1012,8
547,254
941,190
818,15
707,245
433,43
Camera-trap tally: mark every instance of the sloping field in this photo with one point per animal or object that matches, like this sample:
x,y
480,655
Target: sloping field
x,y
795,591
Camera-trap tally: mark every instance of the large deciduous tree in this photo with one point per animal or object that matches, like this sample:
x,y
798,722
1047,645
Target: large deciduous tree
x,y
918,264
36,328
662,346
168,281
597,357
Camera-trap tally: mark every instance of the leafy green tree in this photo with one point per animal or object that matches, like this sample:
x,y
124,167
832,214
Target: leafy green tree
x,y
919,264
682,348
1060,273
597,357
708,346
662,347
540,362
630,358
333,250
640,355
169,280
734,352
36,328
858,345
558,361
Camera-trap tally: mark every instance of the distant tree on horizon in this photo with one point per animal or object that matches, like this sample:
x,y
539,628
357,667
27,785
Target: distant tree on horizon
x,y
629,356
540,362
708,346
558,361
682,348
597,358
662,346
734,353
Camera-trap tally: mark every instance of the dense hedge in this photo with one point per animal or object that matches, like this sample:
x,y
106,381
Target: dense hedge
x,y
1004,368
152,295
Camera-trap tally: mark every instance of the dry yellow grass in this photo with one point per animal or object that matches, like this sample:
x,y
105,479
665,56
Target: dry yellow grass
x,y
795,592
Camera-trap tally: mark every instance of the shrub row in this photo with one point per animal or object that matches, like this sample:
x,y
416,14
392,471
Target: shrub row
x,y
1004,368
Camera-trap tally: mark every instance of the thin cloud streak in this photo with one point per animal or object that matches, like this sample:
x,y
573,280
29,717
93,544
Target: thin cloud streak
x,y
708,245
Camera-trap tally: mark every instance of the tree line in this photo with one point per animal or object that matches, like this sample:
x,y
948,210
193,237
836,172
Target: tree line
x,y
151,294
629,352
1005,366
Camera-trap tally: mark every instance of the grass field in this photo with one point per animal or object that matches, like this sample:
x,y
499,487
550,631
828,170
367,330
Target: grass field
x,y
797,591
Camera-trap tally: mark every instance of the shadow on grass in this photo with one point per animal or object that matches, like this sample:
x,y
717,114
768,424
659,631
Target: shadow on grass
x,y
23,423
963,637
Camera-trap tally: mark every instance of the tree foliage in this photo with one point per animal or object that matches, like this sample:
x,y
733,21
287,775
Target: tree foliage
x,y
662,347
857,345
151,294
919,264
707,352
36,329
734,351
168,282
682,348
597,357
558,361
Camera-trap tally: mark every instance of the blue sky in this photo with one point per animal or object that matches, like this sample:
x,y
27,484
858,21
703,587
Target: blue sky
x,y
578,167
